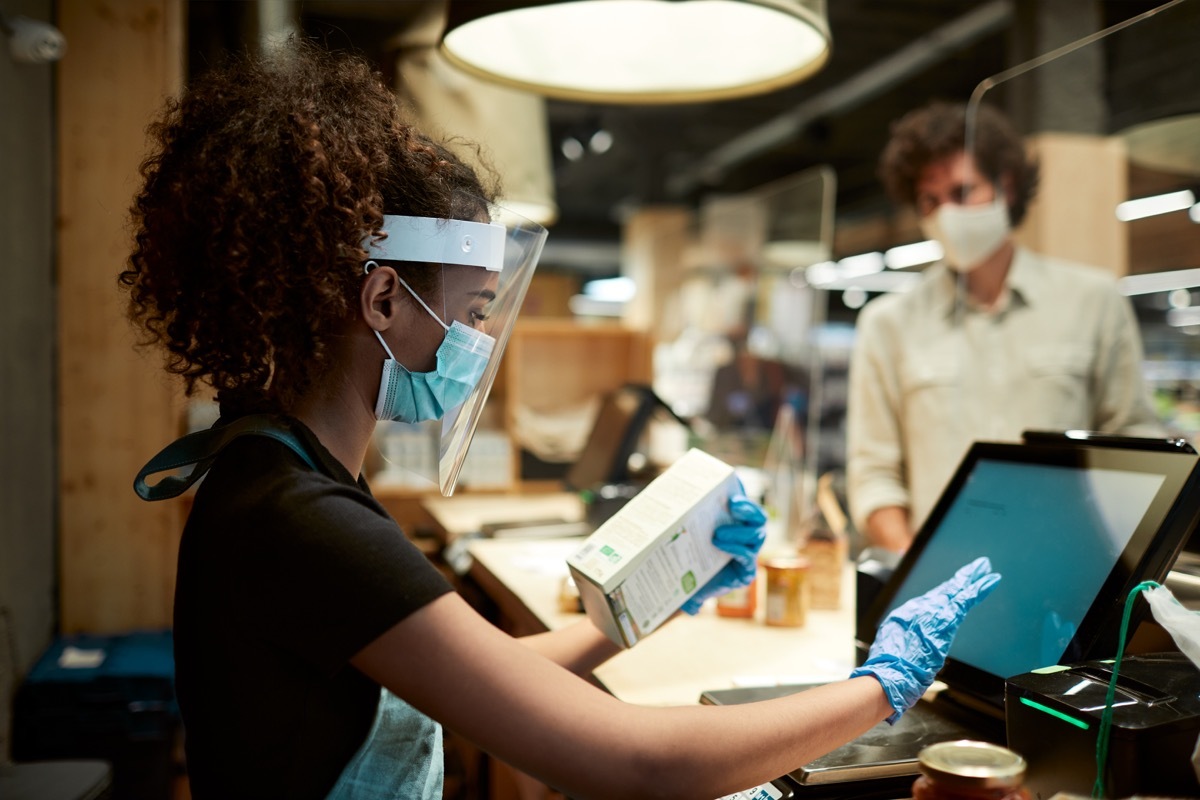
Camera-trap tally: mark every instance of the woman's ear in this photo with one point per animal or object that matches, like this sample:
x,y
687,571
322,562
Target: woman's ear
x,y
377,298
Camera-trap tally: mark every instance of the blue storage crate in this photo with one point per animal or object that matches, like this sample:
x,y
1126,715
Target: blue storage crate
x,y
108,697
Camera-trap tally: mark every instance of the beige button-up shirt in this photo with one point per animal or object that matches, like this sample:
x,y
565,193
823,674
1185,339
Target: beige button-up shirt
x,y
930,374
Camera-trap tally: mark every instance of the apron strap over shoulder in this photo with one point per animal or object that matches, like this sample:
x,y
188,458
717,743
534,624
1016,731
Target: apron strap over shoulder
x,y
202,448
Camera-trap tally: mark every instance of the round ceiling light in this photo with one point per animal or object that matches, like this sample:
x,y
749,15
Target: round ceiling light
x,y
639,51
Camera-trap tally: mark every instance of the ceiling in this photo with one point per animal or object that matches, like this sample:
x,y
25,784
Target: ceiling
x,y
888,56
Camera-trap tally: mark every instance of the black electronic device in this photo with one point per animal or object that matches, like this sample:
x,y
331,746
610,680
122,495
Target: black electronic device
x,y
1071,529
1053,716
1184,579
615,436
1174,444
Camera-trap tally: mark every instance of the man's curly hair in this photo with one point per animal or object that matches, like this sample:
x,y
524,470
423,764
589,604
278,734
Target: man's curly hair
x,y
264,179
937,131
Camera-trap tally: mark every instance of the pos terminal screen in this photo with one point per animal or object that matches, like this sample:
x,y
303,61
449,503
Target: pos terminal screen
x,y
1070,534
1053,533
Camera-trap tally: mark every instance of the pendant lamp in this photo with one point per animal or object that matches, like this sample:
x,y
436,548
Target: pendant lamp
x,y
639,51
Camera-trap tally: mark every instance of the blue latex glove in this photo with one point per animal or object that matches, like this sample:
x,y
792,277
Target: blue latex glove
x,y
742,538
912,641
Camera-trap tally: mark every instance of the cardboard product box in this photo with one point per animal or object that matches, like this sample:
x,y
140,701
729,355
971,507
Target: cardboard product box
x,y
648,559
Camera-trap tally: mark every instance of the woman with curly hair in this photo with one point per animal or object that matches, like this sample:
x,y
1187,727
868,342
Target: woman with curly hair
x,y
323,265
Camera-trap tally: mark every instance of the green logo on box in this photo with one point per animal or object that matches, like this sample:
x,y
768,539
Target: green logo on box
x,y
689,581
613,555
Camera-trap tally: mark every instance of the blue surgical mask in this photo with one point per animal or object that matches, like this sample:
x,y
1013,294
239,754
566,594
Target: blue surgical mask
x,y
406,396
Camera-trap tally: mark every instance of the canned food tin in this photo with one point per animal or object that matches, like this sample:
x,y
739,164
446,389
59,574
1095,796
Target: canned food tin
x,y
787,590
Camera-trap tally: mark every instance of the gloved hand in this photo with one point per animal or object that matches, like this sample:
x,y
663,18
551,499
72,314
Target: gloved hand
x,y
742,538
912,641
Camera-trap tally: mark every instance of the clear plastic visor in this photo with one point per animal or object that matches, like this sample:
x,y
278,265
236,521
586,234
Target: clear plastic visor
x,y
463,283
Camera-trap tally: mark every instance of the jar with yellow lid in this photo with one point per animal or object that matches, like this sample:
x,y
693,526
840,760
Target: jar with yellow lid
x,y
969,770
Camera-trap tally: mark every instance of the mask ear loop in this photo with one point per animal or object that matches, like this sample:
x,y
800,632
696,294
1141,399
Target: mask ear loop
x,y
423,305
366,271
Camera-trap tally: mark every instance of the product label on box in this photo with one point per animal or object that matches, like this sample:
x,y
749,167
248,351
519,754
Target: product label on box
x,y
668,576
644,518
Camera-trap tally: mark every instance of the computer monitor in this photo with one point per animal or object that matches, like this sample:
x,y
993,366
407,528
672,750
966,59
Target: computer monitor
x,y
620,423
1072,528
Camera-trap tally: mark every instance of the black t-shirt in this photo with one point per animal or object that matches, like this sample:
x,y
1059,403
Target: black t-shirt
x,y
285,573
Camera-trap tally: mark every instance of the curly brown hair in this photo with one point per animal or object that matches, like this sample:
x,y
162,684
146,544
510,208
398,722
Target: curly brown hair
x,y
264,179
937,131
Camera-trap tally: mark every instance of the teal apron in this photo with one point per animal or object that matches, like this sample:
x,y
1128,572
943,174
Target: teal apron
x,y
401,758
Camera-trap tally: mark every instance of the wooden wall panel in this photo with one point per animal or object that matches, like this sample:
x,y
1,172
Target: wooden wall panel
x,y
1073,215
653,242
116,408
1164,242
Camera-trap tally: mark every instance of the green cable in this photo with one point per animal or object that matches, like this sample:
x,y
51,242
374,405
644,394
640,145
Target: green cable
x,y
1106,718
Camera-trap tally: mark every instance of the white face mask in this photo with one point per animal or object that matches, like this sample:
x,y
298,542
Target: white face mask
x,y
968,234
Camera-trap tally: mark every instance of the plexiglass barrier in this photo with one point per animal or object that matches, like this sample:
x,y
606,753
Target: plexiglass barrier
x,y
1114,122
1058,208
749,362
1085,318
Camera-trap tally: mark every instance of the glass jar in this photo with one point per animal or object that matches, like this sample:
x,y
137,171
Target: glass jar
x,y
739,603
969,770
828,554
787,590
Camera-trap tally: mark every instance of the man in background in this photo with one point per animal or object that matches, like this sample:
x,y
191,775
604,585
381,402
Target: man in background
x,y
994,340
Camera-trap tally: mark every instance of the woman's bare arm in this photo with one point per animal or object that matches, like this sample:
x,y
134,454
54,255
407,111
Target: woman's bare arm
x,y
521,707
579,647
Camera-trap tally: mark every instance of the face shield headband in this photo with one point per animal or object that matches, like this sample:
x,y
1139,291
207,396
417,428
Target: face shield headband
x,y
440,241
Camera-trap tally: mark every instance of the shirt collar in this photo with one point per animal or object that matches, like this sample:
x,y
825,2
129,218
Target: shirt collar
x,y
1025,280
1026,283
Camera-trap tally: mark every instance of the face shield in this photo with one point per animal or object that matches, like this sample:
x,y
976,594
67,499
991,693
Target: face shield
x,y
465,280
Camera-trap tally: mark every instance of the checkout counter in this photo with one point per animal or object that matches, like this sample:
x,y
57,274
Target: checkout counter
x,y
522,577
679,662
688,656
1021,499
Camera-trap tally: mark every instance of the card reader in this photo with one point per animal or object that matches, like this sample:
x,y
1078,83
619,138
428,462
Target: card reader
x,y
1052,717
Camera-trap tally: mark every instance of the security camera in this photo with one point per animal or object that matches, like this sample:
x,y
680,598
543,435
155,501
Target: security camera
x,y
33,42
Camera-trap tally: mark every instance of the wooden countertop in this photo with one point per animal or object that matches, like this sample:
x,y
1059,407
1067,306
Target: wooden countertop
x,y
687,656
468,513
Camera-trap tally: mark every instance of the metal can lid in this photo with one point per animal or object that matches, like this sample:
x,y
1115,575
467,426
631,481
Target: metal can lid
x,y
967,763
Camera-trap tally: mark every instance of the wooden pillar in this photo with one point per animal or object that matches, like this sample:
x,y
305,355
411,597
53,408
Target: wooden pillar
x,y
653,241
1083,177
116,407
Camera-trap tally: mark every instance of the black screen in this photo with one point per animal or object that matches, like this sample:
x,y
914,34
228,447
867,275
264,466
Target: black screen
x,y
1070,529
